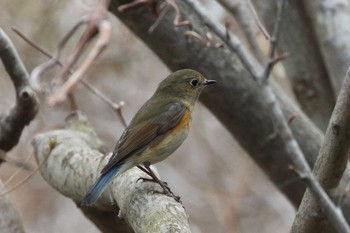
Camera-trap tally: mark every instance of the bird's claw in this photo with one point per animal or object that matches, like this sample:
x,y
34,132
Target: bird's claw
x,y
166,190
143,179
169,194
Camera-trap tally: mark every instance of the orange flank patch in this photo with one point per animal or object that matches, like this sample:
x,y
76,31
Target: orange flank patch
x,y
184,122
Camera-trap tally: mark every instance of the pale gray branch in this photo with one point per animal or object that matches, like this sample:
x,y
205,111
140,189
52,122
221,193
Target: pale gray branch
x,y
72,160
330,164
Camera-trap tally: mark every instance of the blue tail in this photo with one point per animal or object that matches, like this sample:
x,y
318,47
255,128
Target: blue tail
x,y
100,185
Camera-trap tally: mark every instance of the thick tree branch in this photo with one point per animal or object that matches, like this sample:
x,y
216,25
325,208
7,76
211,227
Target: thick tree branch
x,y
16,118
74,159
330,164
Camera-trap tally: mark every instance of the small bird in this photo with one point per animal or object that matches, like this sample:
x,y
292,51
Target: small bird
x,y
156,131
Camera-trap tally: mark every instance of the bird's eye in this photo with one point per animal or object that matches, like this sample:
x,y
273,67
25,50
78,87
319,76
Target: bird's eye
x,y
194,82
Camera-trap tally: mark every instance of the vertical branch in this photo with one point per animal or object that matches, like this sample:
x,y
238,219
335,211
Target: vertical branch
x,y
274,39
23,112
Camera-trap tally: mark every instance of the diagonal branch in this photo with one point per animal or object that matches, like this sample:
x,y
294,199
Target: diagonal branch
x,y
74,158
96,25
117,107
330,164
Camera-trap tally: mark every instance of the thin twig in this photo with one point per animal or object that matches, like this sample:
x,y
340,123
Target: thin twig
x,y
128,6
273,40
39,70
24,179
96,25
117,107
239,9
177,22
233,43
257,20
193,34
101,43
13,162
17,171
159,19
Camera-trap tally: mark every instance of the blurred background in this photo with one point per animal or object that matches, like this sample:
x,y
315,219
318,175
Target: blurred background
x,y
221,188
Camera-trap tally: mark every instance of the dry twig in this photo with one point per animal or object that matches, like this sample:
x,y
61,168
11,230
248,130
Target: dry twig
x,y
240,10
96,24
117,107
128,6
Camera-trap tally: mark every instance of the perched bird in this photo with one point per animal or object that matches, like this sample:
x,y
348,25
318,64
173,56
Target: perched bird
x,y
156,131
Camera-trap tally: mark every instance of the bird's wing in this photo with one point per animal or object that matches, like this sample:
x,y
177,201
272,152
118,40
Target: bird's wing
x,y
139,136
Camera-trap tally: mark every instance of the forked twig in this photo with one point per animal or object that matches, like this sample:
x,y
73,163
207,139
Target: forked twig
x,y
96,24
117,107
101,43
273,42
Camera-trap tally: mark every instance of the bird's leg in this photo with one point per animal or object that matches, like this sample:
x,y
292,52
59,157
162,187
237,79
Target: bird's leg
x,y
145,171
166,190
150,179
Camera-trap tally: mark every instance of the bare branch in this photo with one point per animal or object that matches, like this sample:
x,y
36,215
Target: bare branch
x,y
117,107
240,10
330,165
21,165
136,3
75,160
96,24
305,68
257,20
27,104
177,22
101,43
274,39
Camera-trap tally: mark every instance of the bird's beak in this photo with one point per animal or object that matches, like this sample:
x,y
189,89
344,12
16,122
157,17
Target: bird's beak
x,y
208,82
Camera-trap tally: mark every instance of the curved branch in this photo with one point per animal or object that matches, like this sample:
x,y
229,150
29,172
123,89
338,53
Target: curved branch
x,y
74,159
27,104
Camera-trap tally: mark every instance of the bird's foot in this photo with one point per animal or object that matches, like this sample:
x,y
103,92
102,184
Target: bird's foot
x,y
169,193
166,190
143,179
